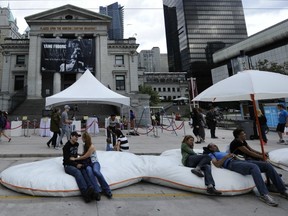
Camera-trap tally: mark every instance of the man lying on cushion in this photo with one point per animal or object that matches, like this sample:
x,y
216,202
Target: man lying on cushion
x,y
229,161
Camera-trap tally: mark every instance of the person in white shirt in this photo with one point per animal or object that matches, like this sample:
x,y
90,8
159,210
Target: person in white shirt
x,y
113,124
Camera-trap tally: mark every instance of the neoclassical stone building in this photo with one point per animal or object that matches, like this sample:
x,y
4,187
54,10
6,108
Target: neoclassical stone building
x,y
63,42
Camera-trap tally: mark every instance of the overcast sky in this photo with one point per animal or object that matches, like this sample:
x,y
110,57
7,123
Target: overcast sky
x,y
144,19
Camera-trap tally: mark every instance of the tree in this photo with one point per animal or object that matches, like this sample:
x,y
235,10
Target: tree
x,y
265,65
154,96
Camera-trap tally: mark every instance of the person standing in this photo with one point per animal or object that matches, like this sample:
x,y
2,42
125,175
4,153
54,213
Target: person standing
x,y
112,123
3,123
202,125
71,167
65,124
263,125
200,163
196,123
55,127
282,122
132,119
211,121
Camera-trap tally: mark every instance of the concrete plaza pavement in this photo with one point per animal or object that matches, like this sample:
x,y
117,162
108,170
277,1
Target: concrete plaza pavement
x,y
139,199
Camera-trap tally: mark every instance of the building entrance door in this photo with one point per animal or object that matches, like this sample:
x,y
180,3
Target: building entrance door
x,y
67,80
47,84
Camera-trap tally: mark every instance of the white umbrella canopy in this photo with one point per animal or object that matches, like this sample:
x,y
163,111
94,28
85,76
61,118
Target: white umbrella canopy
x,y
248,85
261,84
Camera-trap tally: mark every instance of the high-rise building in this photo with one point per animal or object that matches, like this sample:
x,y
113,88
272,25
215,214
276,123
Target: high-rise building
x,y
152,60
195,29
116,29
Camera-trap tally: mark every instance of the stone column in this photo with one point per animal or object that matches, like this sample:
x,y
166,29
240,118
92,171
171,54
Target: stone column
x,y
34,81
56,83
6,73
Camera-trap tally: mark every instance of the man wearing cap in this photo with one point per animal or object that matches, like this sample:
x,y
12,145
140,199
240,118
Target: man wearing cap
x,y
76,169
65,125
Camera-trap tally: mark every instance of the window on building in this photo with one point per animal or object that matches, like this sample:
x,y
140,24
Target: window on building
x,y
178,89
164,89
159,89
120,82
19,82
173,89
119,60
155,89
169,89
20,59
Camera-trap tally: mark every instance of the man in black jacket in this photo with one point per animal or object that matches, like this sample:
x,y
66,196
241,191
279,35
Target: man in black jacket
x,y
211,121
75,168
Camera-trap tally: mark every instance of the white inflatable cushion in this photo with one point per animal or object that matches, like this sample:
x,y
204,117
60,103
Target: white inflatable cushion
x,y
279,158
47,177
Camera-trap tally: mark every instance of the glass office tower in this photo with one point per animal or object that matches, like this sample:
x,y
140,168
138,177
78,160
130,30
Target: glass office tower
x,y
195,29
116,29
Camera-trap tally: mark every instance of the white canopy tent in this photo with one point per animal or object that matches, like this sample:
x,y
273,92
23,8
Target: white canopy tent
x,y
87,89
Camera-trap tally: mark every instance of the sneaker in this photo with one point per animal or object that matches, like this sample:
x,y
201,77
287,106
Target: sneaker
x,y
281,141
268,200
96,196
213,191
88,194
198,142
284,194
108,194
215,137
197,172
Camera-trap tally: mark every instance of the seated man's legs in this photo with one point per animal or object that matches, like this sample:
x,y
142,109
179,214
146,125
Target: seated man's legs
x,y
271,174
80,180
246,168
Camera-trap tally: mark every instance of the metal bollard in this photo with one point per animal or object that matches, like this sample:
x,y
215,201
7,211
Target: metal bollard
x,y
34,125
27,129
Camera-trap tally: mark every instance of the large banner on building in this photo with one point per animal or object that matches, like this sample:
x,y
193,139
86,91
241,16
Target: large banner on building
x,y
68,55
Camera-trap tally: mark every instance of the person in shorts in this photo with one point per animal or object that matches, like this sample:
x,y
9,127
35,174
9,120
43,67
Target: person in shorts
x,y
282,122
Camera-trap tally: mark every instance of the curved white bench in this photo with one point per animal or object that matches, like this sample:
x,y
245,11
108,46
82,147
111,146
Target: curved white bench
x,y
279,158
47,177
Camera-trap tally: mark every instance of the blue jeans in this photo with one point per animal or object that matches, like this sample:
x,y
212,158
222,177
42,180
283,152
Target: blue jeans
x,y
254,168
202,161
65,130
96,171
92,180
108,148
80,176
111,132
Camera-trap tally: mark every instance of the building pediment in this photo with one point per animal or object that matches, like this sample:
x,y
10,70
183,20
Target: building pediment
x,y
67,14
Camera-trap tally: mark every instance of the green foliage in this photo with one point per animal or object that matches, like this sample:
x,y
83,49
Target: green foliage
x,y
265,65
154,96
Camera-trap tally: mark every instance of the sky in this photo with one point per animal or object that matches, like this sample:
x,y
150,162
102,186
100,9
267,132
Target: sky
x,y
144,19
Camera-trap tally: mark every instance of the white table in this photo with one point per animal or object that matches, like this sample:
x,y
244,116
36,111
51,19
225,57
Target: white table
x,y
16,128
92,125
76,126
44,128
